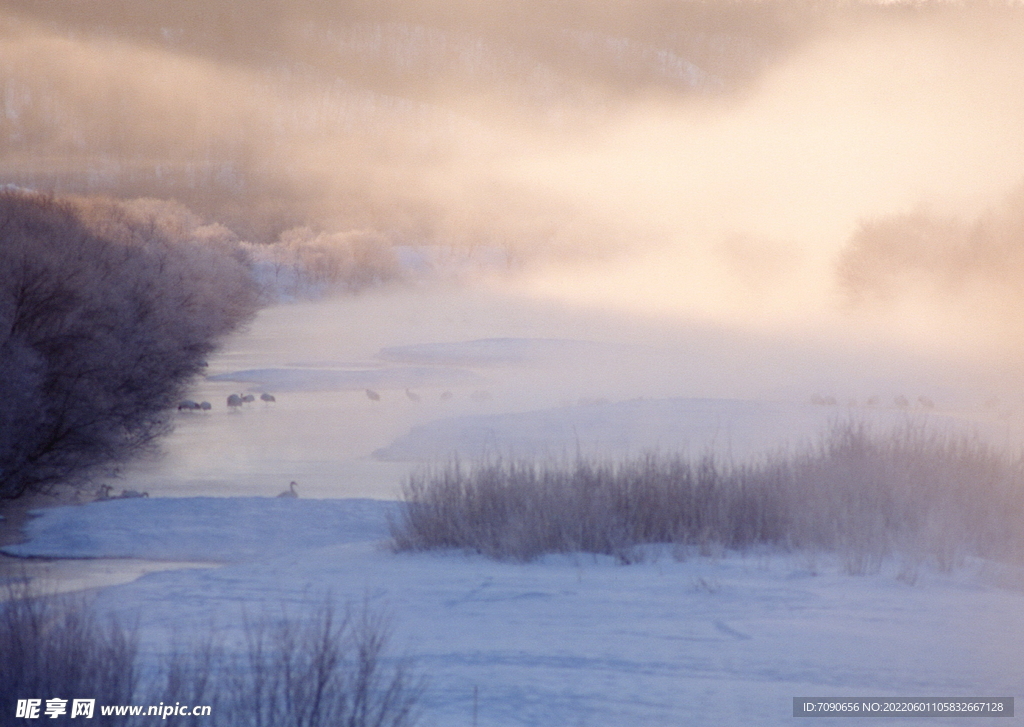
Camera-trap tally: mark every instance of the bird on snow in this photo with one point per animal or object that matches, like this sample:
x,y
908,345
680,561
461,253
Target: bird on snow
x,y
373,395
413,396
290,492
267,397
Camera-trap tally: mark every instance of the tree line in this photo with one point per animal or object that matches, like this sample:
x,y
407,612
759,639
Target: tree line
x,y
107,311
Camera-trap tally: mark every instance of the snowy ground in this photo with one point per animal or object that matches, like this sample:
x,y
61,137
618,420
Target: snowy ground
x,y
725,639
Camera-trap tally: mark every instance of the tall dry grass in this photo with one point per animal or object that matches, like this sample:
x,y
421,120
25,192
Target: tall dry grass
x,y
863,495
321,668
324,668
59,647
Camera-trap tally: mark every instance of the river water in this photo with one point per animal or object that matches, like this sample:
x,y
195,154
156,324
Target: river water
x,y
435,352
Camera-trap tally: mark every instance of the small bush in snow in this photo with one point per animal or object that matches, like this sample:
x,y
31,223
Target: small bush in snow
x,y
862,495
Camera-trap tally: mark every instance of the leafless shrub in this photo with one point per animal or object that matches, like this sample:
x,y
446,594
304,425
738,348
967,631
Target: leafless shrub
x,y
861,495
56,646
311,670
107,309
322,669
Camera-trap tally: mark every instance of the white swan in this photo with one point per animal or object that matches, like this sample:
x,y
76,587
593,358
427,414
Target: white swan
x,y
290,492
133,493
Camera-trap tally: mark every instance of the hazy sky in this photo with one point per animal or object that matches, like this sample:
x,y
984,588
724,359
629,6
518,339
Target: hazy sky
x,y
724,162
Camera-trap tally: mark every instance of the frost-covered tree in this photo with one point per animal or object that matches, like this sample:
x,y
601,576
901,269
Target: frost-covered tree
x,y
107,310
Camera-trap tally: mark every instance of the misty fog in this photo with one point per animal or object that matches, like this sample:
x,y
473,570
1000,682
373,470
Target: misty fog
x,y
770,201
651,361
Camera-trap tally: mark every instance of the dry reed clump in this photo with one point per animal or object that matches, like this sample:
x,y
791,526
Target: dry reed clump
x,y
862,495
316,669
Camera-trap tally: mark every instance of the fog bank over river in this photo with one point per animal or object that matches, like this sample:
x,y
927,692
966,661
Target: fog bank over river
x,y
485,370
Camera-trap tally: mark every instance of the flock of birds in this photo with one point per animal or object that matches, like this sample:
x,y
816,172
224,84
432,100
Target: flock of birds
x,y
104,493
899,401
445,395
235,401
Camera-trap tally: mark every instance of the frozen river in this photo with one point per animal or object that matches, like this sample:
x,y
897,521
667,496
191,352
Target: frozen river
x,y
488,371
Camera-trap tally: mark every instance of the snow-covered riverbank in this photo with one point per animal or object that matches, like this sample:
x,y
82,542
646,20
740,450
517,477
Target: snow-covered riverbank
x,y
726,638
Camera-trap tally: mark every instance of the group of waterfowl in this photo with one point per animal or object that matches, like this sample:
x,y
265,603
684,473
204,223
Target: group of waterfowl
x,y
189,405
104,493
234,401
899,401
410,395
417,398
